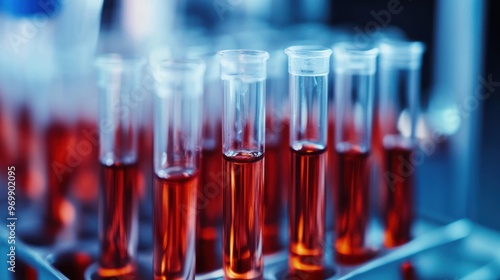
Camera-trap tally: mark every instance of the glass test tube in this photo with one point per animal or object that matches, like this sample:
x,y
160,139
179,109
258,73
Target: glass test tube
x,y
58,141
157,54
399,76
118,78
58,135
285,159
177,151
274,191
243,74
209,218
308,67
354,86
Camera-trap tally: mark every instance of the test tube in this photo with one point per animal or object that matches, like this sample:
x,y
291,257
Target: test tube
x,y
157,54
308,68
274,187
209,218
177,151
354,86
243,75
118,132
399,78
58,135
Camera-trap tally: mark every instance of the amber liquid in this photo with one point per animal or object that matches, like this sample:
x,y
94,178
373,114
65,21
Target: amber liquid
x,y
273,187
174,226
331,167
146,167
86,181
26,140
352,205
307,210
60,142
61,161
284,167
118,215
331,143
384,122
272,201
398,212
209,220
377,149
285,174
242,232
5,125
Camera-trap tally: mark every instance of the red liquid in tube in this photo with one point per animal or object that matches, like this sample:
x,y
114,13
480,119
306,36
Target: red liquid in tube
x,y
352,206
243,220
59,141
117,210
175,226
307,211
399,180
209,220
272,201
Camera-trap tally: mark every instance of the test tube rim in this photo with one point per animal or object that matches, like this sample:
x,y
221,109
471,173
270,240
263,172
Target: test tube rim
x,y
353,49
159,53
401,47
308,51
117,62
243,55
401,54
351,58
197,66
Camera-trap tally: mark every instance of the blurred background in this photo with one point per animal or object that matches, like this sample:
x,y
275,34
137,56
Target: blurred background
x,y
48,94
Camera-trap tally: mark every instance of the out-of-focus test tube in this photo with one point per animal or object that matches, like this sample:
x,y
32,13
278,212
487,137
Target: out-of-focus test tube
x,y
49,158
118,79
354,86
274,188
176,152
55,166
26,140
58,136
308,68
209,215
158,54
285,155
243,74
399,82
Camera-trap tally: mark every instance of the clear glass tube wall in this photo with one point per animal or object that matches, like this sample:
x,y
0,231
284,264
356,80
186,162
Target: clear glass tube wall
x,y
276,136
308,68
354,87
210,194
118,79
243,74
396,123
177,151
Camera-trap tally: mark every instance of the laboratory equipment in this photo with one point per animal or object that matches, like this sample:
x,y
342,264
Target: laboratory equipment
x,y
209,218
274,179
177,151
354,85
308,68
396,121
118,81
243,75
